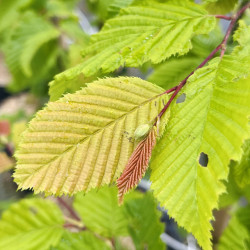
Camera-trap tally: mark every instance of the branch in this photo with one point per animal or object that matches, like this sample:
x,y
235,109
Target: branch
x,y
221,46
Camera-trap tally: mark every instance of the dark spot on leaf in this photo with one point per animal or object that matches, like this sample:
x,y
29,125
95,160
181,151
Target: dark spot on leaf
x,y
181,98
155,104
33,210
163,102
203,160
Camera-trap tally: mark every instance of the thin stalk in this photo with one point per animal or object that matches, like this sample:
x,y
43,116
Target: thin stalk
x,y
68,208
221,46
228,18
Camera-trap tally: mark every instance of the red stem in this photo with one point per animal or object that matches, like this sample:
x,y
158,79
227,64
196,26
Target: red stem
x,y
221,46
229,18
69,208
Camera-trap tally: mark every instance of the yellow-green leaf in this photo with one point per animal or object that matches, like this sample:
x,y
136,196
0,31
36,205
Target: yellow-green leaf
x,y
149,32
84,140
204,133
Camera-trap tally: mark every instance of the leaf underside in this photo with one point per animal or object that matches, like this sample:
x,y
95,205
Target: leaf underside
x,y
213,120
137,165
151,32
85,139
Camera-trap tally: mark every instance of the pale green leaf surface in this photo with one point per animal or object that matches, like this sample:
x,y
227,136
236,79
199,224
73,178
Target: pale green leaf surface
x,y
101,213
220,6
78,241
85,139
151,32
171,72
144,222
214,120
31,224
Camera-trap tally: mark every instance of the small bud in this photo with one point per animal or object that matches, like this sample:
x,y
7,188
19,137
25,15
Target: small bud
x,y
142,131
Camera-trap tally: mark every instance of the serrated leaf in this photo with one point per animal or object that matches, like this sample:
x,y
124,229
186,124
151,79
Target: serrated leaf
x,y
144,223
83,240
237,235
101,213
151,32
31,224
85,139
203,134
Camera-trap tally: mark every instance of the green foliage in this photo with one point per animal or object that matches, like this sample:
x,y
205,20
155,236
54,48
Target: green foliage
x,y
39,224
30,43
34,34
31,224
144,225
139,34
171,72
83,240
233,191
101,213
138,218
85,139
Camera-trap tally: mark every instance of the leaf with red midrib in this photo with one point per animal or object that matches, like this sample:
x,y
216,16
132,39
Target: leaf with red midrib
x,y
137,165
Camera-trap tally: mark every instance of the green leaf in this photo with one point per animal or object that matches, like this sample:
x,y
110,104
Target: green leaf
x,y
83,240
203,134
233,191
9,12
171,72
30,44
31,34
117,5
31,224
150,32
237,235
220,6
84,140
242,36
241,169
101,213
144,222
